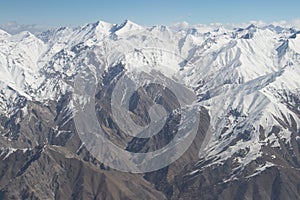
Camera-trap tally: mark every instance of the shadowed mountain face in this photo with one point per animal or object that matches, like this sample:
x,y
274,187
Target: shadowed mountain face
x,y
246,84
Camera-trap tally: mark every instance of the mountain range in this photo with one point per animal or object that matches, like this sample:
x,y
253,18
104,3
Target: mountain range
x,y
246,81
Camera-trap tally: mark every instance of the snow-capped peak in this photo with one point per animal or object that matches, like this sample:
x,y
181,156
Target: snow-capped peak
x,y
126,26
103,26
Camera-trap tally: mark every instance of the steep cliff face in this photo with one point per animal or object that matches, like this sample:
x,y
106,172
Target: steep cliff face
x,y
246,84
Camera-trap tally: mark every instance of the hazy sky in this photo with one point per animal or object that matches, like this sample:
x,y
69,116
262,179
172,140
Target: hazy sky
x,y
146,12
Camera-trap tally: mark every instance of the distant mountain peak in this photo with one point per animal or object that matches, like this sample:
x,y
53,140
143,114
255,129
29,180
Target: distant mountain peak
x,y
126,26
103,27
251,26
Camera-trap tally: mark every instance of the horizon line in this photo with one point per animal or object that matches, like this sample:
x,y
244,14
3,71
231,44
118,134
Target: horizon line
x,y
14,26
